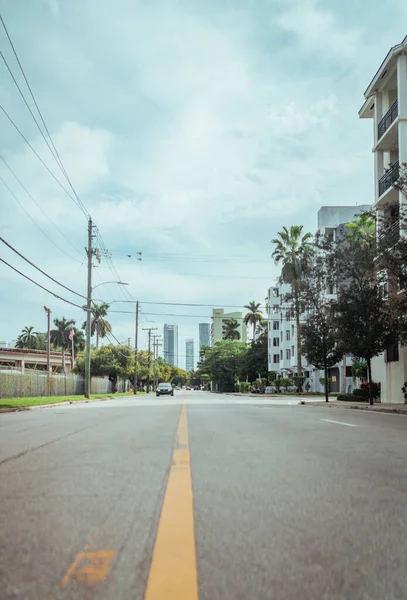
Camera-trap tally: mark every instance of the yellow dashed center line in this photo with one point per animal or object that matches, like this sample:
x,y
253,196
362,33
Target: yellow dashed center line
x,y
173,572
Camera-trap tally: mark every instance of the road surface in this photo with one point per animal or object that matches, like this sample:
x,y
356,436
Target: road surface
x,y
202,496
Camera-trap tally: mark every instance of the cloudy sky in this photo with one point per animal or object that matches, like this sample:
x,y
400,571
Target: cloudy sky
x,y
191,130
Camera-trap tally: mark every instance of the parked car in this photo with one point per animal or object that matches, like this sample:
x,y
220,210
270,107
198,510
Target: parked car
x,y
196,387
164,389
187,388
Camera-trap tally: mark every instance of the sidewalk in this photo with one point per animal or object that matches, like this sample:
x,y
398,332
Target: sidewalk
x,y
380,407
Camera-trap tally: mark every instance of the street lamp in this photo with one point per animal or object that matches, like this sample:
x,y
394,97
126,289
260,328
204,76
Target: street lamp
x,y
106,282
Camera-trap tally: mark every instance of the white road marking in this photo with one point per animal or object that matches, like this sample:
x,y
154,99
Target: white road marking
x,y
339,423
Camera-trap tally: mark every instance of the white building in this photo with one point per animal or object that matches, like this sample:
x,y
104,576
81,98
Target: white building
x,y
171,344
189,355
219,318
282,329
386,104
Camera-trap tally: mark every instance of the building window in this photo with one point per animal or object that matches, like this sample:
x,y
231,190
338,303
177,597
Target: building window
x,y
276,325
288,354
275,309
276,358
281,335
292,331
287,315
287,336
331,289
392,353
292,351
276,342
281,355
275,293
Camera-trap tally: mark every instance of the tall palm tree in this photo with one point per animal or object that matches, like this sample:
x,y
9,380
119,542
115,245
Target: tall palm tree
x,y
99,325
292,250
254,316
27,338
230,330
60,336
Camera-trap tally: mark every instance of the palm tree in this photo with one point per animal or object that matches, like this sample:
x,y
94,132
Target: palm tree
x,y
99,324
230,331
292,250
27,338
254,316
60,336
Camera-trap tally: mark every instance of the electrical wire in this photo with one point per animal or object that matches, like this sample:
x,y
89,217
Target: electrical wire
x,y
33,220
184,304
40,270
41,286
38,206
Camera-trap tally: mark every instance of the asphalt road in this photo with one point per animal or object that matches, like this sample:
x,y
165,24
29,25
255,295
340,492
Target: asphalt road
x,y
224,498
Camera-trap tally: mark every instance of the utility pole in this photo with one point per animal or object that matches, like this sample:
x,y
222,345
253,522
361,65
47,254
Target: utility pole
x,y
48,311
344,374
136,351
155,354
88,310
149,329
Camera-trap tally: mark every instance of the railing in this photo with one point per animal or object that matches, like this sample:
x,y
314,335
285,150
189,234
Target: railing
x,y
390,235
388,119
389,178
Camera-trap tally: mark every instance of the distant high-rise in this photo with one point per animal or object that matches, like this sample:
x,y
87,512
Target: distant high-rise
x,y
171,344
204,335
189,354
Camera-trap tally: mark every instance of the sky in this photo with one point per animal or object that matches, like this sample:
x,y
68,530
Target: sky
x,y
192,131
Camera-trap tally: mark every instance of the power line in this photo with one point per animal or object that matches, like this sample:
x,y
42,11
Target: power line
x,y
40,270
37,205
32,219
37,155
41,286
185,304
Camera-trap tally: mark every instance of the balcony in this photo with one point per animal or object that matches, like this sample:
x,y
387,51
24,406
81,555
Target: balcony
x,y
390,234
388,119
389,178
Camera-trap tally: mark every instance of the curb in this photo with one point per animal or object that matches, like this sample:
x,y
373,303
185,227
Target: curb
x,y
398,411
14,409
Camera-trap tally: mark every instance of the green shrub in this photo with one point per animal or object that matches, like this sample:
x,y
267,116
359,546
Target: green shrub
x,y
346,397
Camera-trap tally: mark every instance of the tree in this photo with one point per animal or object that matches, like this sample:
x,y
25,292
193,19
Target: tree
x,y
221,363
367,321
230,330
98,324
319,340
253,316
110,361
60,336
293,250
254,363
27,338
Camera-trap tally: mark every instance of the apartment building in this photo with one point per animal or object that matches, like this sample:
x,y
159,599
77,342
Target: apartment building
x,y
386,104
189,355
219,318
282,329
204,335
171,344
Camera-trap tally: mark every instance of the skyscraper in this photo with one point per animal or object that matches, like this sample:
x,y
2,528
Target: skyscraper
x,y
171,344
204,335
189,354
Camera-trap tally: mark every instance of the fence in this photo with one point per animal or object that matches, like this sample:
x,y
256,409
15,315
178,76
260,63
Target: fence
x,y
35,383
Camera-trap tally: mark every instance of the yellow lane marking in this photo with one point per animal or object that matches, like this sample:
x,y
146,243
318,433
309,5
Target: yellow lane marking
x,y
173,572
89,568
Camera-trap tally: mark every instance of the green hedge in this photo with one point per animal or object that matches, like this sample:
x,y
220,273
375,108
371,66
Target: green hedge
x,y
346,398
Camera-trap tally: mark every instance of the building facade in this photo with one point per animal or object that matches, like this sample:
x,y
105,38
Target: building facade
x,y
171,344
189,355
282,329
386,104
204,335
219,318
